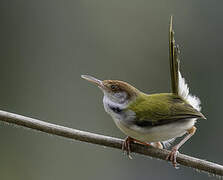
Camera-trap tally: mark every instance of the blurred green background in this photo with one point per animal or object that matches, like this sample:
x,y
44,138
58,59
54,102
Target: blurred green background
x,y
46,46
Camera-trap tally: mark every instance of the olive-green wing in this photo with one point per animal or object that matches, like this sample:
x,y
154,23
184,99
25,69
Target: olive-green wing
x,y
174,59
158,109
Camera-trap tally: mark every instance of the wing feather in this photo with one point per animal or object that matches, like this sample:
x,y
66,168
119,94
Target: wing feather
x,y
158,109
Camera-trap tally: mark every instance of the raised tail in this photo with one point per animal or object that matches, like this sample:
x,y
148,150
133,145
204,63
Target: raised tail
x,y
178,83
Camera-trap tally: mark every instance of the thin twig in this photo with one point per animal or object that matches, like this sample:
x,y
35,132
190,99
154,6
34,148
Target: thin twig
x,y
66,132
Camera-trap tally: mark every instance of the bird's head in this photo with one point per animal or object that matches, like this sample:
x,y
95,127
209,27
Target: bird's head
x,y
116,91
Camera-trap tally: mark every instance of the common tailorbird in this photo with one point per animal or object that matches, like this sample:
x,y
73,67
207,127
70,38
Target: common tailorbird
x,y
152,118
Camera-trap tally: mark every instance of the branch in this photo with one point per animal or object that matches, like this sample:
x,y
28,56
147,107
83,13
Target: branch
x,y
66,132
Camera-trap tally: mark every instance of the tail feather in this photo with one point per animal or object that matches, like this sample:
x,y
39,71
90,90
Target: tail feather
x,y
166,144
184,93
179,85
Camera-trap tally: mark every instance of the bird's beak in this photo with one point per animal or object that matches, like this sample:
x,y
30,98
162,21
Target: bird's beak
x,y
93,80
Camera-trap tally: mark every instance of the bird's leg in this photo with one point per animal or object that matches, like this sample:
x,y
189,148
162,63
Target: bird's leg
x,y
154,144
140,142
173,154
126,146
128,140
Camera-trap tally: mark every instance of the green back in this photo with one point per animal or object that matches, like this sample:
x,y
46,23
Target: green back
x,y
162,108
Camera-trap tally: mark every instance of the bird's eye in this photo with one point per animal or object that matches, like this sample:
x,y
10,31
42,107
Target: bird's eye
x,y
113,87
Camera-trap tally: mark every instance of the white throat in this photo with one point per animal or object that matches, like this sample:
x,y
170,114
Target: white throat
x,y
109,105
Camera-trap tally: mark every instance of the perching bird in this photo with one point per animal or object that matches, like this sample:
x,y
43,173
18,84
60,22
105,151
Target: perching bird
x,y
152,118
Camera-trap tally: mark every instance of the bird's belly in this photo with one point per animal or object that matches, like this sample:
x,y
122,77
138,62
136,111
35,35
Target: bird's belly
x,y
156,133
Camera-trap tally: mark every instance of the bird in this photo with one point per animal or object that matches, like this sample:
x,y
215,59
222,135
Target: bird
x,y
151,119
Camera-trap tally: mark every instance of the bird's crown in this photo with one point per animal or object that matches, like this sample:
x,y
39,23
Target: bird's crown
x,y
116,86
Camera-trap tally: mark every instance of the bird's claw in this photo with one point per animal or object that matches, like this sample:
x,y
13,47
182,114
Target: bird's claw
x,y
126,146
172,156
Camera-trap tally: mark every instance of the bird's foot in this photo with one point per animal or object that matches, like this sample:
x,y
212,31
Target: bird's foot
x,y
128,141
126,146
172,156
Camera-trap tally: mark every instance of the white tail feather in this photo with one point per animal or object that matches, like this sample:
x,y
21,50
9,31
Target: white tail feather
x,y
184,93
168,143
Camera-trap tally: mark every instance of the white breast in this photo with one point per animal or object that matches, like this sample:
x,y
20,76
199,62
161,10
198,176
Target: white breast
x,y
156,133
